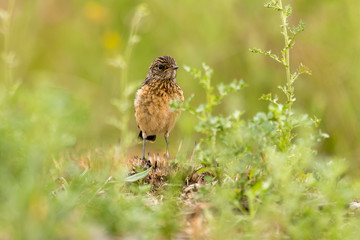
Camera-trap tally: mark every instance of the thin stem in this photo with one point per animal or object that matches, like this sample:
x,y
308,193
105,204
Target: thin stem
x,y
135,23
287,55
123,92
6,32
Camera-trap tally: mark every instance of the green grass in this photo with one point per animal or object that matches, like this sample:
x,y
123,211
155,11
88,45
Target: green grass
x,y
241,172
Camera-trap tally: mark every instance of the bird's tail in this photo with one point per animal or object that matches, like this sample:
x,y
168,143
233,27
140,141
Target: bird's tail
x,y
148,138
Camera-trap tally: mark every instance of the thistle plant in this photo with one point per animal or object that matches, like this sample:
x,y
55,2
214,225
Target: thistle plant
x,y
287,121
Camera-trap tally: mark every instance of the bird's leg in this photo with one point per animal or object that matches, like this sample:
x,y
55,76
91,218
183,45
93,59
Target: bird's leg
x,y
167,147
144,141
143,158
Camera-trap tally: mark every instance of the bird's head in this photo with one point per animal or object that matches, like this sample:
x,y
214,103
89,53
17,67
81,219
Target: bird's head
x,y
163,68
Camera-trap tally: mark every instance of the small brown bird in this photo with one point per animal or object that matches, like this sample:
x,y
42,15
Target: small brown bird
x,y
152,110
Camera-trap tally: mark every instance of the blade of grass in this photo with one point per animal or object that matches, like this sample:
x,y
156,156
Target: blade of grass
x,y
137,176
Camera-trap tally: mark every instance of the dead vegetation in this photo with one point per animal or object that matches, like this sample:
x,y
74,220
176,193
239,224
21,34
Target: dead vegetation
x,y
195,226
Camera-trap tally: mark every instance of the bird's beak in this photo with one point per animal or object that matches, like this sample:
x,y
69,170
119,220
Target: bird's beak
x,y
174,67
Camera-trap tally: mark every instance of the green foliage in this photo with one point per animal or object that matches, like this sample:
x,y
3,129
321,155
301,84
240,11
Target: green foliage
x,y
216,130
282,194
209,125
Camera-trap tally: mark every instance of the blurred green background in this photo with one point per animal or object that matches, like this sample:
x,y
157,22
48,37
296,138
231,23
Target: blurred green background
x,y
61,49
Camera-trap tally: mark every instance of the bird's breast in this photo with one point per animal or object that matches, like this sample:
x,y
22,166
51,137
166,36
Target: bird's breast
x,y
152,110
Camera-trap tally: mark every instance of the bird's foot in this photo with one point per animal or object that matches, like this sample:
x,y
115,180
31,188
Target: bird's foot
x,y
146,161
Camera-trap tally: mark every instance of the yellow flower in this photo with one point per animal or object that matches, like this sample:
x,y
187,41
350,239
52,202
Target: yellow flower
x,y
95,12
111,40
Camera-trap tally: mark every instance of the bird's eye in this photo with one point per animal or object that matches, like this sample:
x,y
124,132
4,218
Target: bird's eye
x,y
161,67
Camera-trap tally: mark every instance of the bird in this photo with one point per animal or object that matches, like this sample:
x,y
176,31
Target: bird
x,y
153,113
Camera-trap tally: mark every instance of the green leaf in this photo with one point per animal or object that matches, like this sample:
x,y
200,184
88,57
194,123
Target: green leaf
x,y
222,89
274,5
236,114
201,108
187,68
288,10
266,53
138,176
266,97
